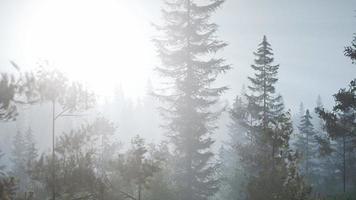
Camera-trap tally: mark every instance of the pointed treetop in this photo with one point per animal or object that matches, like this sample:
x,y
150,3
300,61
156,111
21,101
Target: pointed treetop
x,y
319,102
301,109
307,113
264,41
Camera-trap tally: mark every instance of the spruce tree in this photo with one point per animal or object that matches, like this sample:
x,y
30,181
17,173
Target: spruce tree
x,y
265,107
266,155
301,110
31,152
18,158
186,49
263,100
18,151
307,145
234,178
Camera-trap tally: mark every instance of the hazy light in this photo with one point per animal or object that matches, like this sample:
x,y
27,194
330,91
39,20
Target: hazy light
x,y
104,43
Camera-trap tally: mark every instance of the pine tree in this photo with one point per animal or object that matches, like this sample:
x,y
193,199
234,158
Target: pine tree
x,y
308,147
266,156
66,99
234,178
350,51
8,185
340,123
186,47
31,152
319,122
263,100
138,167
265,107
7,188
18,156
24,155
15,89
161,184
77,174
301,110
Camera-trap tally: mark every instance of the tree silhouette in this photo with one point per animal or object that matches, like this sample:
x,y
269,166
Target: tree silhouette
x,y
186,49
67,99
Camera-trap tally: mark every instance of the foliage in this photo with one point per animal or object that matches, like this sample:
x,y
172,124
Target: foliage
x,y
15,89
186,48
265,153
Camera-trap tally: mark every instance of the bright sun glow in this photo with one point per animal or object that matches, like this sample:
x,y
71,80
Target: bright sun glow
x,y
103,43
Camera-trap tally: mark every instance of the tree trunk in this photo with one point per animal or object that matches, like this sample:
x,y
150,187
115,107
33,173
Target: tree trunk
x,y
53,150
139,191
307,157
344,163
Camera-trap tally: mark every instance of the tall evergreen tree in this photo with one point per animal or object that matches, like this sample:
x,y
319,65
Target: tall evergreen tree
x,y
301,110
186,48
23,157
18,158
308,147
31,152
340,126
266,155
265,107
340,123
263,100
233,176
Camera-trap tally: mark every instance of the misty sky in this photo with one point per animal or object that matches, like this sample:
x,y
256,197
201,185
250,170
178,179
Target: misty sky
x,y
308,38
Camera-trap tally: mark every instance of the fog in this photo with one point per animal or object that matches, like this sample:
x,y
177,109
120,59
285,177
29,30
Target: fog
x,y
194,91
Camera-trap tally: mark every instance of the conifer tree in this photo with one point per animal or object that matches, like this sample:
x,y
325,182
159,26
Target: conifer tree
x,y
264,106
15,89
7,188
350,51
18,158
186,48
234,178
263,100
307,145
266,156
31,152
137,167
77,174
24,155
8,185
301,110
340,123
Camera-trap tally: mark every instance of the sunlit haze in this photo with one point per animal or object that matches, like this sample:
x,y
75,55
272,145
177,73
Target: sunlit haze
x,y
104,44
177,100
